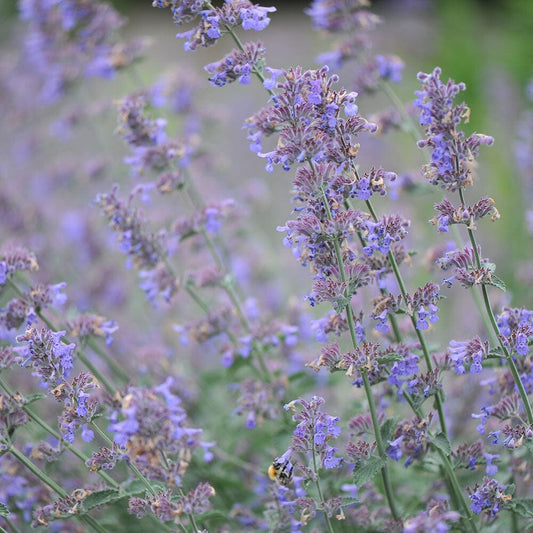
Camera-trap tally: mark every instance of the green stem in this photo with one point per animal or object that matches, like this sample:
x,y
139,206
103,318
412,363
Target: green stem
x,y
180,491
414,130
496,329
93,345
319,490
80,455
515,527
457,489
39,421
370,398
99,376
11,526
409,124
130,464
228,284
47,480
418,333
380,445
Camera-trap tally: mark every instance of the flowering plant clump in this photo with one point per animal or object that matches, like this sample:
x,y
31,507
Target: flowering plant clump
x,y
213,382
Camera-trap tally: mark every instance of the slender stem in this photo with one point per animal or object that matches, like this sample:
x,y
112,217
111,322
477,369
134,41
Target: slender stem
x,y
319,490
99,376
180,490
418,333
496,329
457,489
409,124
228,284
370,398
240,46
475,294
93,345
11,526
515,527
38,420
380,445
414,131
81,356
131,466
46,479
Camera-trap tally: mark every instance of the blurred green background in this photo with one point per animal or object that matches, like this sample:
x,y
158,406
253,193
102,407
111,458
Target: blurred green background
x,y
486,44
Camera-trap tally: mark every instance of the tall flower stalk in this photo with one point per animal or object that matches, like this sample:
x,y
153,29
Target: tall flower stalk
x,y
209,408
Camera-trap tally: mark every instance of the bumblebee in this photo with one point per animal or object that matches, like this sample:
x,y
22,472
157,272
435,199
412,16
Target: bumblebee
x,y
281,472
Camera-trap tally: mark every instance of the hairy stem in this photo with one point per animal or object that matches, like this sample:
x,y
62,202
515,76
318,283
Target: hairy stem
x,y
370,398
47,480
496,329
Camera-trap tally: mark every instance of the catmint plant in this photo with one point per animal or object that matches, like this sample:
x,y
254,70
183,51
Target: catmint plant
x,y
157,372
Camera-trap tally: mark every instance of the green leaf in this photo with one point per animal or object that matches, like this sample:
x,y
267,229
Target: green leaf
x,y
441,442
497,282
365,471
34,397
349,501
496,353
387,429
490,266
187,235
213,514
4,511
101,497
298,375
523,507
340,303
136,487
529,445
389,358
109,496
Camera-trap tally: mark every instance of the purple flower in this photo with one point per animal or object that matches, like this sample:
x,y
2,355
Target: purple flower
x,y
207,31
88,325
236,66
434,518
491,469
516,327
382,326
452,154
339,15
50,358
394,451
270,83
306,113
257,400
87,434
390,67
3,272
149,421
126,428
489,497
314,430
381,234
71,39
255,17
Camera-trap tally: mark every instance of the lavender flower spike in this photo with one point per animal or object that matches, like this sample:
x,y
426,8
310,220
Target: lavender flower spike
x,y
452,155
